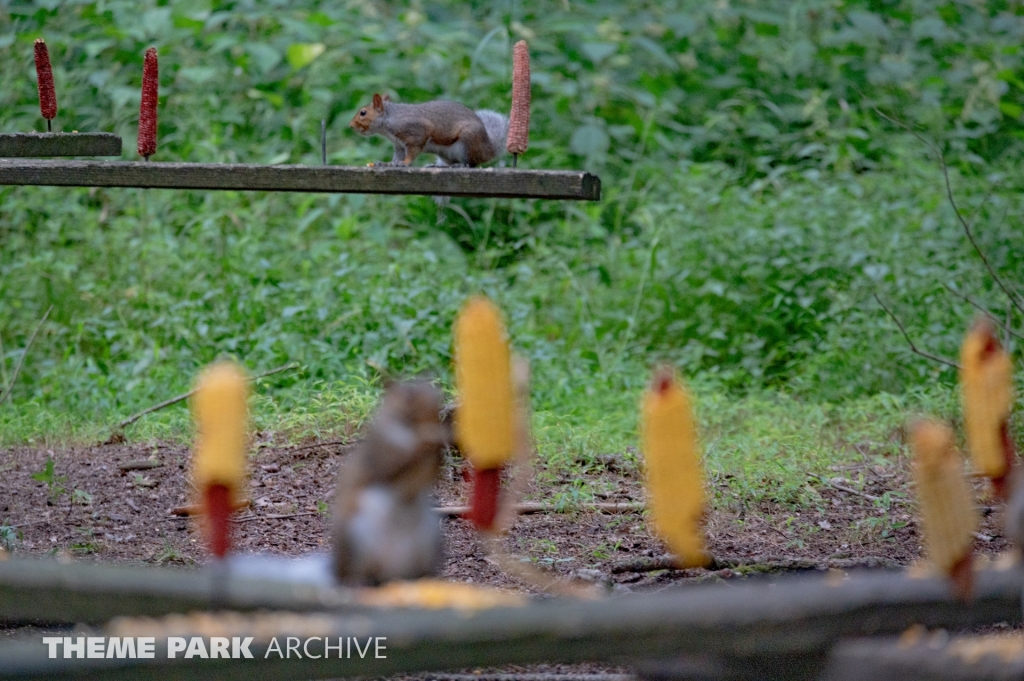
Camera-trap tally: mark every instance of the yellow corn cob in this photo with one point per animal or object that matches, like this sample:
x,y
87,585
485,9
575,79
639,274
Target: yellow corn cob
x,y
986,378
947,510
483,378
675,481
219,408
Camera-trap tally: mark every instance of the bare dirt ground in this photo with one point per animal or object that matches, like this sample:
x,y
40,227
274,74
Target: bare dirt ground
x,y
90,509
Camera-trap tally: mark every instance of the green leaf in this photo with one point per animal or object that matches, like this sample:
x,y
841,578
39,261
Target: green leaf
x,y
303,54
1010,109
264,57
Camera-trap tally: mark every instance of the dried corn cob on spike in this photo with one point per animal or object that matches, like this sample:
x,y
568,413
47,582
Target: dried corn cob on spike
x,y
675,481
519,119
483,378
986,381
147,109
218,463
947,509
44,77
484,422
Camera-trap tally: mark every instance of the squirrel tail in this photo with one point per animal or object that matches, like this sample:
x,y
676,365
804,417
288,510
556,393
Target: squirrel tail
x,y
496,125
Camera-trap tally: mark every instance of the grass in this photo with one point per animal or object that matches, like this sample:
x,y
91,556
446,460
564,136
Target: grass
x,y
754,206
765,446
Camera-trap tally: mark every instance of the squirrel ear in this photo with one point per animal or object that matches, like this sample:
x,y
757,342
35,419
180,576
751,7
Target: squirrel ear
x,y
378,103
387,98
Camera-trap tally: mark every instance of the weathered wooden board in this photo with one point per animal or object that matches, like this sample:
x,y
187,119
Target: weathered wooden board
x,y
795,616
957,659
48,591
472,182
15,145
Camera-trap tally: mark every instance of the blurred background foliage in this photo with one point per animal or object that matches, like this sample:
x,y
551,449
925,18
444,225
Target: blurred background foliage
x,y
754,199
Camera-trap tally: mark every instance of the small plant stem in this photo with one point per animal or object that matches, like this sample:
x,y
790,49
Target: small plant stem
x,y
515,160
967,227
637,301
17,367
49,125
323,141
3,366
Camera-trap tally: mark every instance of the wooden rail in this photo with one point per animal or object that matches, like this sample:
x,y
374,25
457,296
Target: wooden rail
x,y
13,145
48,591
796,618
471,182
961,658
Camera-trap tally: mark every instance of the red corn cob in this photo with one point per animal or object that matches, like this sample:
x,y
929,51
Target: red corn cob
x,y
44,73
147,110
519,119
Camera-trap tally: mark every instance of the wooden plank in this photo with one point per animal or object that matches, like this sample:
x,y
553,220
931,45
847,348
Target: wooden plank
x,y
51,592
794,617
473,182
962,658
14,145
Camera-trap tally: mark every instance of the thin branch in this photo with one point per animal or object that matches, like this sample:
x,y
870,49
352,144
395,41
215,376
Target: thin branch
x,y
1012,295
986,312
755,563
21,360
181,398
910,342
970,236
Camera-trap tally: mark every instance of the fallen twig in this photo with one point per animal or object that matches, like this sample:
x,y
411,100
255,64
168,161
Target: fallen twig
x,y
314,445
197,509
755,563
522,509
21,360
843,488
273,516
139,465
914,348
537,507
181,398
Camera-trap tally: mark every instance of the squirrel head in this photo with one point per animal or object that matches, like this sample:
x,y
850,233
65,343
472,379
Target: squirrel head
x,y
363,121
417,404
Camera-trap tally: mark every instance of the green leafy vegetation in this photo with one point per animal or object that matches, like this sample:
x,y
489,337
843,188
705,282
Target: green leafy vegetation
x,y
755,203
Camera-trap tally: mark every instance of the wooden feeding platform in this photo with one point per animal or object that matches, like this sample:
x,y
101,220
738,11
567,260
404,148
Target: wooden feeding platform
x,y
35,144
466,182
791,623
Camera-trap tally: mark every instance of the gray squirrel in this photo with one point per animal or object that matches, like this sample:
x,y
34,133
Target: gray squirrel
x,y
458,135
385,526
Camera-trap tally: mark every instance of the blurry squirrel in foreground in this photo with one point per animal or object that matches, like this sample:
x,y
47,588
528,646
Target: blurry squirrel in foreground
x,y
457,134
385,526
